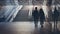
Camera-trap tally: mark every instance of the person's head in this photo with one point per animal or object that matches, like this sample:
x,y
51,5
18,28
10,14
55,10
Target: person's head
x,y
35,8
41,9
55,8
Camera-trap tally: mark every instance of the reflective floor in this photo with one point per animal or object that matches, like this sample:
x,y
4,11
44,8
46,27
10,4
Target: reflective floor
x,y
27,28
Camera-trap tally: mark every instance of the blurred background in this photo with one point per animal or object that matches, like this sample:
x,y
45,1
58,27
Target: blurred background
x,y
16,16
21,10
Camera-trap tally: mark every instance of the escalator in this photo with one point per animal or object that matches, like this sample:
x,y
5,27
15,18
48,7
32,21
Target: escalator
x,y
7,8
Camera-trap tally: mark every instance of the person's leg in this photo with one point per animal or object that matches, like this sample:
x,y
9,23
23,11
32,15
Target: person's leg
x,y
41,23
56,25
36,22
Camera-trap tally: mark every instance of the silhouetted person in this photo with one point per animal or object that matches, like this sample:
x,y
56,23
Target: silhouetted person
x,y
55,17
41,16
35,16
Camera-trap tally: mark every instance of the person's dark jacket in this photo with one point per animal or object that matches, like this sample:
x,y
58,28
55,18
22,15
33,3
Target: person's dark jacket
x,y
35,14
55,14
41,14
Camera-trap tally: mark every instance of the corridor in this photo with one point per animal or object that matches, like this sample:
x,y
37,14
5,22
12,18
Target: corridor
x,y
16,16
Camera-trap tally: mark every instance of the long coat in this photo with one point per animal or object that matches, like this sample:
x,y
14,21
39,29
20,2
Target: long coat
x,y
35,15
55,14
41,15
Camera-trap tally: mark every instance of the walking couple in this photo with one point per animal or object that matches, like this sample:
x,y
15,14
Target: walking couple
x,y
38,16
